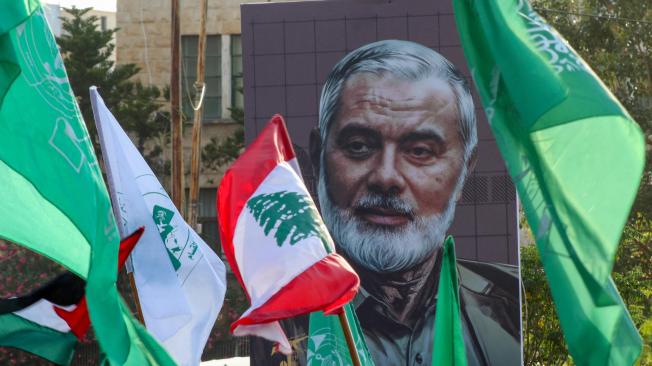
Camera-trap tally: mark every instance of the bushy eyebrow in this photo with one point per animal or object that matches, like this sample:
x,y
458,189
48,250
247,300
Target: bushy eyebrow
x,y
355,129
425,135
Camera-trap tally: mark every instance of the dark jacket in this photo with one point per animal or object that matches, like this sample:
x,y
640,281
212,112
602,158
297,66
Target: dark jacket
x,y
490,314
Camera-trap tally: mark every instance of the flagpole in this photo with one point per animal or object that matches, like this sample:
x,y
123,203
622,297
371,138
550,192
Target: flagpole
x,y
200,88
139,310
355,358
115,206
175,111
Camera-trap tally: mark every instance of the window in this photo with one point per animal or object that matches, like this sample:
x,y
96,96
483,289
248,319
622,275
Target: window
x,y
207,217
236,72
212,76
216,100
103,23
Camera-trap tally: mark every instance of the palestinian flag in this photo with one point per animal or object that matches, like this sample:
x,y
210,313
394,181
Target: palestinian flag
x,y
275,240
48,321
32,324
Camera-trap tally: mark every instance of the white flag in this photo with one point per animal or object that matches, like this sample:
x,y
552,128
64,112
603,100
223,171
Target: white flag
x,y
180,280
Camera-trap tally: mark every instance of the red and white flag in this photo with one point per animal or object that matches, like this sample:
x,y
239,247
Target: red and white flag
x,y
275,240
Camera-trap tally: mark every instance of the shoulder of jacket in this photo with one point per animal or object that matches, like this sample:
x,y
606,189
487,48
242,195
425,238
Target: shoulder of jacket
x,y
484,278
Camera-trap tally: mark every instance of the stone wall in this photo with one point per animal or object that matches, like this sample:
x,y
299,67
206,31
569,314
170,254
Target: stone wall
x,y
144,39
144,35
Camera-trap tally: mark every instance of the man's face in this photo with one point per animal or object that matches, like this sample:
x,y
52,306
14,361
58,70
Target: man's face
x,y
391,168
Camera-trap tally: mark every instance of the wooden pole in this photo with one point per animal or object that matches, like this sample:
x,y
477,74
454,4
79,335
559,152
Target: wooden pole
x,y
349,338
200,89
175,111
139,310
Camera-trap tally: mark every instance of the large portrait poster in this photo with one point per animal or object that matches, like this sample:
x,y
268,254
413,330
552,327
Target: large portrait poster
x,y
395,147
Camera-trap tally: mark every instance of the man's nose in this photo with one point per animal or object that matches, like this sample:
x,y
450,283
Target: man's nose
x,y
386,177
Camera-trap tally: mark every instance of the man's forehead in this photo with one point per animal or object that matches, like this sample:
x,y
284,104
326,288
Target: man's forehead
x,y
383,98
388,81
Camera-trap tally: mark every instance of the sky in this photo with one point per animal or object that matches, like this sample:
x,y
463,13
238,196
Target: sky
x,y
106,5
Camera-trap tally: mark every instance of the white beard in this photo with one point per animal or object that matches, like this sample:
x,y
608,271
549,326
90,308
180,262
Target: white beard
x,y
381,249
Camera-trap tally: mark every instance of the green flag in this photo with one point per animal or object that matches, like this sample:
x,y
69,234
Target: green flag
x,y
19,332
326,342
576,158
448,343
327,345
52,197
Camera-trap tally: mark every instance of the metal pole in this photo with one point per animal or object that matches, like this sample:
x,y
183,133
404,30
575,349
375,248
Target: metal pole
x,y
175,111
200,88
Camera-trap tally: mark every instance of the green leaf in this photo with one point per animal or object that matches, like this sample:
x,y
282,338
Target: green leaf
x,y
292,216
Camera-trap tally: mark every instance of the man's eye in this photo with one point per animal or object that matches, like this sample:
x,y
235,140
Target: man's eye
x,y
357,147
421,152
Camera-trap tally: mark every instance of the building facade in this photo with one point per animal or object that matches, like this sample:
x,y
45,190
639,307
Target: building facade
x,y
54,12
144,39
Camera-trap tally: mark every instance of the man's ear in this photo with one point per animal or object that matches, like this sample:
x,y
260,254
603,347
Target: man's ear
x,y
470,166
315,150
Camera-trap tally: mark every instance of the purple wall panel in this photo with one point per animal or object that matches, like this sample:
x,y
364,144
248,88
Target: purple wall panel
x,y
359,32
425,30
300,69
300,37
288,50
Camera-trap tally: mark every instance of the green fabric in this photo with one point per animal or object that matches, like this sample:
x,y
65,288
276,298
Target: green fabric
x,y
24,206
45,342
448,346
13,13
52,197
576,158
326,342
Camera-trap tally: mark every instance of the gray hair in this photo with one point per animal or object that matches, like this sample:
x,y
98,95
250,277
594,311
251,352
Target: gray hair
x,y
407,60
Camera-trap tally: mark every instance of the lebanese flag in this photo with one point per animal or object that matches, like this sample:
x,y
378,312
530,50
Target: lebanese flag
x,y
49,321
275,241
